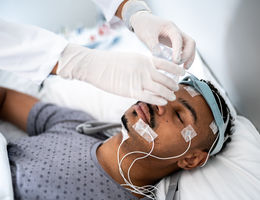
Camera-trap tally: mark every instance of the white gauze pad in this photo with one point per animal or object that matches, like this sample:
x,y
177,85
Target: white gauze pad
x,y
188,133
213,127
144,130
191,91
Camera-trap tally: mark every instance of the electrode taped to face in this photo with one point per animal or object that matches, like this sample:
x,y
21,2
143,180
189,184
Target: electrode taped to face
x,y
213,127
191,91
144,130
149,135
188,133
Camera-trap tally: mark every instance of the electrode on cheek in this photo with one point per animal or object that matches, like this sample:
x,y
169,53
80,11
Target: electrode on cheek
x,y
188,133
144,130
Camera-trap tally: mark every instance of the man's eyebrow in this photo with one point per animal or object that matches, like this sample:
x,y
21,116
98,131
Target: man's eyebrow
x,y
189,107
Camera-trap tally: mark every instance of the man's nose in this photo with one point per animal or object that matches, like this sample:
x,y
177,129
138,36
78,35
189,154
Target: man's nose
x,y
160,110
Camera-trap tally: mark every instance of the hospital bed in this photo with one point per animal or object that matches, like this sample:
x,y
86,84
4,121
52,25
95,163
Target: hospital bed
x,y
233,174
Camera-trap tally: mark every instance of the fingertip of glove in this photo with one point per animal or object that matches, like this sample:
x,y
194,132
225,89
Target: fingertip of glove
x,y
176,88
161,102
177,58
172,97
187,65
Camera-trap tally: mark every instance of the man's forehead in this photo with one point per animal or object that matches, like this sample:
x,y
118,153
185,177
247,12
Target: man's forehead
x,y
197,102
188,91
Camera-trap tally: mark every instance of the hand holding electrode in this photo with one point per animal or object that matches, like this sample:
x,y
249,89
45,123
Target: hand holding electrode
x,y
153,30
127,74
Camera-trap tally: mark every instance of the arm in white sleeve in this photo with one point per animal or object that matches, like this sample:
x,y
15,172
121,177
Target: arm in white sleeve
x,y
108,7
29,51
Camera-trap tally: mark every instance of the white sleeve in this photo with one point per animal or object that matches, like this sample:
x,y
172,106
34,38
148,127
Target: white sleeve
x,y
29,51
108,7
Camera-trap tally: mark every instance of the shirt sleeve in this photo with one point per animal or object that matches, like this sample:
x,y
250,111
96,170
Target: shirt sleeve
x,y
29,51
108,7
44,116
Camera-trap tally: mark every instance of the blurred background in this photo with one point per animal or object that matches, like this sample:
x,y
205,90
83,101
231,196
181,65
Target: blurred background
x,y
54,15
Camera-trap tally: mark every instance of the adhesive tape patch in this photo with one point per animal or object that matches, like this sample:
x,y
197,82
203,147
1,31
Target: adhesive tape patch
x,y
144,130
213,127
188,133
191,91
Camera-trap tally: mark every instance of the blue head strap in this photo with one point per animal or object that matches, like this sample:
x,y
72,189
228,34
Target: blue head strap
x,y
206,92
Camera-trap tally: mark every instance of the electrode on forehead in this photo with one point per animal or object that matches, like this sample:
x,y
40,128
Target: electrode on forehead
x,y
191,91
188,133
213,127
144,130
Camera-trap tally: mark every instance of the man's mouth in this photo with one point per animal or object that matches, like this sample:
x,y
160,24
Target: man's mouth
x,y
143,112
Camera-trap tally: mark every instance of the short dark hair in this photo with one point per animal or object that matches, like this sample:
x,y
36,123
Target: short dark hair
x,y
226,111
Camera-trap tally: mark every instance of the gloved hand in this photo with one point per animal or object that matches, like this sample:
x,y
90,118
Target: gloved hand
x,y
127,74
151,29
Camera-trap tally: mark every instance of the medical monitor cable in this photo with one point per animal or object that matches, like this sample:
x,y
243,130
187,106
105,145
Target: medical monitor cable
x,y
157,157
137,189
226,123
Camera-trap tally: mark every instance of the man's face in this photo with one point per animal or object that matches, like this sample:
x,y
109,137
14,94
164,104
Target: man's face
x,y
168,121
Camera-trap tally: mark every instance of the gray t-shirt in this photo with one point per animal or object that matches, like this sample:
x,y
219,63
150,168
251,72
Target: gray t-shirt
x,y
57,162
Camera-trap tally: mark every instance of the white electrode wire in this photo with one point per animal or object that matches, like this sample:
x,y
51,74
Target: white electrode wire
x,y
153,187
150,188
137,189
210,151
120,170
160,158
219,104
122,174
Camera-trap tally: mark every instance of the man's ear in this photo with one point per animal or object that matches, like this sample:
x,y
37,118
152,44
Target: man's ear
x,y
193,159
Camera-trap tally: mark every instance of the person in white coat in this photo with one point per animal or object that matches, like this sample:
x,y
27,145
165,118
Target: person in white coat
x,y
34,53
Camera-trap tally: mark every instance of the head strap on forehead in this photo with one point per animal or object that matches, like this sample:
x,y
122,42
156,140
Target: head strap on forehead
x,y
206,92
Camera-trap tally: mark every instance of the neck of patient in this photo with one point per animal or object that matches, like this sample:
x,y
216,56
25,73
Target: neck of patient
x,y
142,173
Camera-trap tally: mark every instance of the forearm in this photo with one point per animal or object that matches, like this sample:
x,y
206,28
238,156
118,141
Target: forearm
x,y
15,107
54,70
119,10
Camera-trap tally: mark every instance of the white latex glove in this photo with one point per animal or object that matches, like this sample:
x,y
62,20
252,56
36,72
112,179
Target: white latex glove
x,y
152,29
127,74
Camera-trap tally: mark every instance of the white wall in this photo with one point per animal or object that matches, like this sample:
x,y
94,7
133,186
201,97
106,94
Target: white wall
x,y
50,14
227,34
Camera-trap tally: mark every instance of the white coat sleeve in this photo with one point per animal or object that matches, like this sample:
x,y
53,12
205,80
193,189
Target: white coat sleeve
x,y
29,51
108,7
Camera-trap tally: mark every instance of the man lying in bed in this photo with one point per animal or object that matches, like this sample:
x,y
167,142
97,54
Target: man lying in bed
x,y
57,162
